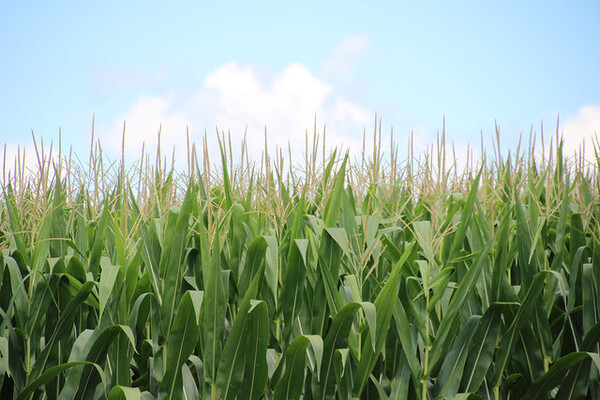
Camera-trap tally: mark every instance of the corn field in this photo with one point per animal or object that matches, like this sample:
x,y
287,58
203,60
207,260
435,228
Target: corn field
x,y
374,277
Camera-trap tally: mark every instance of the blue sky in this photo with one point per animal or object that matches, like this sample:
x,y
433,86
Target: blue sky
x,y
277,64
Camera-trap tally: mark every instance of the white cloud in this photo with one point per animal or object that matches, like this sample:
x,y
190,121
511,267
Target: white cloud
x,y
286,105
143,121
344,56
582,128
234,99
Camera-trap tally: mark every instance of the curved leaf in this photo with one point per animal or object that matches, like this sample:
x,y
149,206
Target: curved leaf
x,y
181,343
509,339
452,368
291,383
232,364
52,373
257,337
337,338
384,304
124,393
63,325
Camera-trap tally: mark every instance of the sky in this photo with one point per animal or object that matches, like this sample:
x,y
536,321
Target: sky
x,y
195,67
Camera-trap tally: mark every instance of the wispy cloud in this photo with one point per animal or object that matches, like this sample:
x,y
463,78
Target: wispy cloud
x,y
107,80
346,55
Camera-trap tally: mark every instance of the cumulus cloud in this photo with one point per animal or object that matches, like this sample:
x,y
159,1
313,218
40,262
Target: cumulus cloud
x,y
144,120
237,99
582,128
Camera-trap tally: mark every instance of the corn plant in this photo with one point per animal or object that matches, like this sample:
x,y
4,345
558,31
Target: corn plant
x,y
372,278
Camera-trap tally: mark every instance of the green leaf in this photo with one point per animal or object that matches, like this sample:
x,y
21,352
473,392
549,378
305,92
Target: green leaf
x,y
337,338
459,297
51,373
575,384
108,277
465,217
96,355
215,308
19,297
452,369
15,225
63,325
509,339
170,268
341,377
404,335
98,243
41,301
291,383
255,256
124,393
481,349
256,374
182,342
232,363
332,208
272,266
590,295
293,285
556,374
384,304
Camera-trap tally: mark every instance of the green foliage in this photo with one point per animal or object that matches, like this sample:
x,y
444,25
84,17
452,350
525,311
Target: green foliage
x,y
352,280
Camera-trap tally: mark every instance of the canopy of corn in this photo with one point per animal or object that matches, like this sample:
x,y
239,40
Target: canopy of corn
x,y
372,277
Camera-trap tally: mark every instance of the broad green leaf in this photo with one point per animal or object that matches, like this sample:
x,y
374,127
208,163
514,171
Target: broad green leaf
x,y
404,335
43,297
590,294
98,241
272,266
96,355
481,349
51,373
170,268
509,339
291,383
422,231
15,224
108,277
576,382
293,285
332,208
467,211
256,374
63,325
556,374
232,362
181,343
337,338
458,299
255,256
341,377
214,310
190,390
19,297
451,372
124,393
384,304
